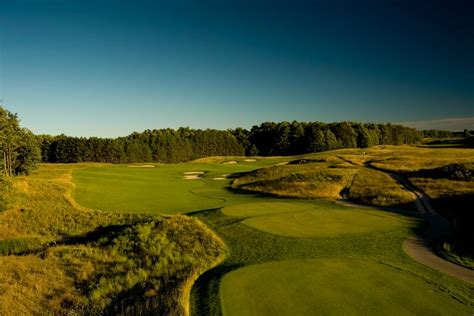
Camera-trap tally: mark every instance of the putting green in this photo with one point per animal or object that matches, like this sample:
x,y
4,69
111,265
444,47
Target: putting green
x,y
265,208
322,223
332,287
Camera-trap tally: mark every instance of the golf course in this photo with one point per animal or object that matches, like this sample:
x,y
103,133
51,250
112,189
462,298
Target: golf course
x,y
348,231
285,256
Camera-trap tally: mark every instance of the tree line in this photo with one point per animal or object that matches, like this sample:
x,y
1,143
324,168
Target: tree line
x,y
292,138
20,149
185,144
164,145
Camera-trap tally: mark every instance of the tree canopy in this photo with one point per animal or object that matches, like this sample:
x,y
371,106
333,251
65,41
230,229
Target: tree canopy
x,y
19,150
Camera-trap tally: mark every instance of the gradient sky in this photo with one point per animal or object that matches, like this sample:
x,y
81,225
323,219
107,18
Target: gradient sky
x,y
107,68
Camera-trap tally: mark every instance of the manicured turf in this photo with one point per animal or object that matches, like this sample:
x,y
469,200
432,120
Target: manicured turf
x,y
332,287
321,223
265,208
155,190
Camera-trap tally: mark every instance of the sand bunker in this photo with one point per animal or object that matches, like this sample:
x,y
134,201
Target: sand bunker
x,y
141,166
282,163
192,177
250,160
225,175
193,172
219,178
229,162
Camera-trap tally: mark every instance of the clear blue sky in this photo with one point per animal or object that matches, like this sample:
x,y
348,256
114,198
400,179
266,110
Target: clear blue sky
x,y
108,68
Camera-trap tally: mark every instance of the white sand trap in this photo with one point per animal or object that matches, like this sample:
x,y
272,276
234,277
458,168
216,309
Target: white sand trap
x,y
141,166
229,162
219,178
250,160
193,173
192,177
282,163
225,175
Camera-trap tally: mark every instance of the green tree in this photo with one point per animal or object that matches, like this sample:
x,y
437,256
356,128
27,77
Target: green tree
x,y
28,153
331,140
317,141
19,150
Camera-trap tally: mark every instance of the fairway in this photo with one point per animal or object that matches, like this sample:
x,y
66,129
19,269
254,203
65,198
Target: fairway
x,y
322,223
332,287
163,189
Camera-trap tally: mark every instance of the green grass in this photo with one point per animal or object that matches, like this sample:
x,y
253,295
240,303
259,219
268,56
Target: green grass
x,y
59,258
323,223
332,287
261,229
249,247
266,208
293,253
154,190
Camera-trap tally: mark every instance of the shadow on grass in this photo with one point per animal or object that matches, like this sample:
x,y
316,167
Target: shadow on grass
x,y
467,142
205,298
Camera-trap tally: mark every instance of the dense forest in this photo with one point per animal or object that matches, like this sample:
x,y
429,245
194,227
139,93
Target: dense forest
x,y
184,144
165,145
20,149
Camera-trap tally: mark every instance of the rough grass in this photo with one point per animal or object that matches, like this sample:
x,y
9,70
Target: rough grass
x,y
376,188
59,258
77,260
310,180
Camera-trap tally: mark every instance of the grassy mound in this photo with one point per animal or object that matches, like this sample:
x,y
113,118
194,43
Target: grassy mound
x,y
376,188
332,287
58,257
309,180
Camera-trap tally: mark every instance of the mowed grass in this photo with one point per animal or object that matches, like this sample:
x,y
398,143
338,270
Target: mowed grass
x,y
323,223
332,287
266,208
159,190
